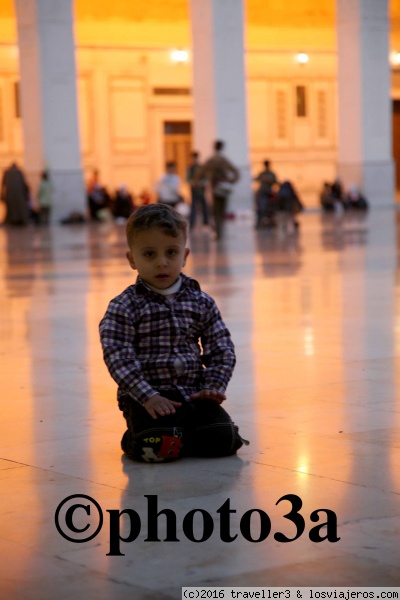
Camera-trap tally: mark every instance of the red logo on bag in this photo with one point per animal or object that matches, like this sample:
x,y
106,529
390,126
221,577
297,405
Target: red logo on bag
x,y
170,447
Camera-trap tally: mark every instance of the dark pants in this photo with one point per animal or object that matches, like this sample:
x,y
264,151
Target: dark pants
x,y
219,208
198,201
198,428
44,215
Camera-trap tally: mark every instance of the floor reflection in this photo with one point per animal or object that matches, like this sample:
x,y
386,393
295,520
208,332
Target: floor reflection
x,y
315,319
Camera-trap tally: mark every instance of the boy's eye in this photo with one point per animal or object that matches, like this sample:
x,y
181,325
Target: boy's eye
x,y
148,253
171,252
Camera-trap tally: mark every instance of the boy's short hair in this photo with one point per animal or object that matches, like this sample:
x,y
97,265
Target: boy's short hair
x,y
155,215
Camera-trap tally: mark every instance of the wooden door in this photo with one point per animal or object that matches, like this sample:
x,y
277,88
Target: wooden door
x,y
178,145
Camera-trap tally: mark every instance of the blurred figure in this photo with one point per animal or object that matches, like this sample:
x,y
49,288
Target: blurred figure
x,y
15,193
265,197
355,199
145,197
123,205
197,191
93,182
267,178
97,197
168,186
45,198
326,198
290,205
332,197
338,196
337,190
221,175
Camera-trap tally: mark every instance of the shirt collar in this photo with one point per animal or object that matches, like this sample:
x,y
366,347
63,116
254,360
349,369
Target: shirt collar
x,y
171,290
186,282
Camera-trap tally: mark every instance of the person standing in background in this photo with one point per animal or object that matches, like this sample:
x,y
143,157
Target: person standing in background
x,y
221,174
265,197
197,191
168,186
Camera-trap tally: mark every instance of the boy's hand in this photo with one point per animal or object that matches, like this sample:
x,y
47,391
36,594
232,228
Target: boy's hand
x,y
217,397
159,406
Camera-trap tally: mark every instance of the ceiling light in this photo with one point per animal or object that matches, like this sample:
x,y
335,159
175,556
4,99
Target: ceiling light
x,y
302,58
179,56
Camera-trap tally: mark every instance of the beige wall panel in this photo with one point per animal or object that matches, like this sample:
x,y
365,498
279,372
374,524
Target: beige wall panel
x,y
307,174
17,144
136,177
259,114
323,103
302,133
128,115
282,115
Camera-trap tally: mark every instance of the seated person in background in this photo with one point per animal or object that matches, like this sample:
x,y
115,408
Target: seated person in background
x,y
123,205
326,198
97,197
338,195
337,190
289,204
355,199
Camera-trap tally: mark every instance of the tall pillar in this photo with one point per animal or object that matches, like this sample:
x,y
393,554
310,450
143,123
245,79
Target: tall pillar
x,y
365,112
48,99
219,87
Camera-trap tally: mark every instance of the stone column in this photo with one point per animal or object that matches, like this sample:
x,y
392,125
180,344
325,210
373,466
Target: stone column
x,y
365,109
219,87
49,101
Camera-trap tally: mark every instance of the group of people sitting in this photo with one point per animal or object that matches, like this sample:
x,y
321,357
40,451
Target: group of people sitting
x,y
102,205
274,200
334,198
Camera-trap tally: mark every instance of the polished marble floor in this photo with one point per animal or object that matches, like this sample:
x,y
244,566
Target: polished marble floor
x,y
316,322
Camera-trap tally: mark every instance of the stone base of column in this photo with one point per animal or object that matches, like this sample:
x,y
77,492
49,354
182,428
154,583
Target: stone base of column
x,y
375,179
69,194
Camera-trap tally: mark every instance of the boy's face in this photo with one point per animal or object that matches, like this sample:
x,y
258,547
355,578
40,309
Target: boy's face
x,y
157,256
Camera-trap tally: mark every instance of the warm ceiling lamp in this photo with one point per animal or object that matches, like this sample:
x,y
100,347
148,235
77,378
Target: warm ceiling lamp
x,y
302,58
395,58
179,56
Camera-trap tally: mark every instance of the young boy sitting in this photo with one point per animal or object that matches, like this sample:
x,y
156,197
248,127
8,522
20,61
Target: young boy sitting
x,y
170,388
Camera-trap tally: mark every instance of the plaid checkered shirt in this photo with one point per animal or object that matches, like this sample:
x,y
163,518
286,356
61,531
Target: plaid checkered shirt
x,y
143,334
